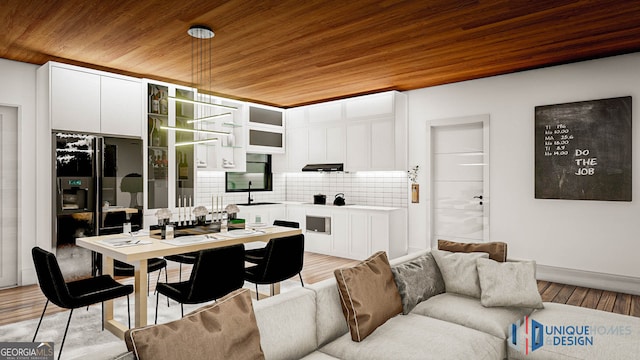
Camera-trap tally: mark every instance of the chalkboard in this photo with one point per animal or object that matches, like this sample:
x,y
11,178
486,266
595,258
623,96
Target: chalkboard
x,y
583,150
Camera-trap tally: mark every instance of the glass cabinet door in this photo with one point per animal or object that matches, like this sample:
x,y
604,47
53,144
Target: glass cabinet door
x,y
184,153
158,147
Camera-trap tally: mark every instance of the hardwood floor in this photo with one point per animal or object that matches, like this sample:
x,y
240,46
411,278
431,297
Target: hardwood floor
x,y
27,302
590,298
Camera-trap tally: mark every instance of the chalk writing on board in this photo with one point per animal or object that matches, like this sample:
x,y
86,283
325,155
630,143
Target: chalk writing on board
x,y
583,150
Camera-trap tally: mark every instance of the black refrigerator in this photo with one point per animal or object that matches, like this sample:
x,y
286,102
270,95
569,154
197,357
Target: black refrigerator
x,y
97,188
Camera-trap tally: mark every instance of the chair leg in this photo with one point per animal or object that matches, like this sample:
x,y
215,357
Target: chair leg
x,y
180,276
166,279
65,333
128,311
40,322
181,310
301,282
102,303
257,296
157,299
158,279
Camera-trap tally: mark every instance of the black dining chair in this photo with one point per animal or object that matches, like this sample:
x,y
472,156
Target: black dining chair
x,y
216,272
154,264
74,294
186,258
283,258
255,255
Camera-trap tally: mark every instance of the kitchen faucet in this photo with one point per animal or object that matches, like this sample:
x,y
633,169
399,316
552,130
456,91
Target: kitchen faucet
x,y
249,199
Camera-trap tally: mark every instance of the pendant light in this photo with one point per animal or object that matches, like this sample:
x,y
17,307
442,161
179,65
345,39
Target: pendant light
x,y
201,73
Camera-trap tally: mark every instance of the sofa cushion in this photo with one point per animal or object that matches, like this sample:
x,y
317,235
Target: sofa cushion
x,y
468,312
496,250
224,330
508,284
612,336
459,271
287,324
318,355
329,316
368,295
419,337
417,280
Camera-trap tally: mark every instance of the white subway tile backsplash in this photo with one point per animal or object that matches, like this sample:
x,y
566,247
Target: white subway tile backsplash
x,y
379,188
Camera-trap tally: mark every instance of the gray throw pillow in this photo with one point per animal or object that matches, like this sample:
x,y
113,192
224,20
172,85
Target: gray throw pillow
x,y
508,284
417,281
459,271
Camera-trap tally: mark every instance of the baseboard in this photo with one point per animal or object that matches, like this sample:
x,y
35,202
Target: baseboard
x,y
28,277
594,280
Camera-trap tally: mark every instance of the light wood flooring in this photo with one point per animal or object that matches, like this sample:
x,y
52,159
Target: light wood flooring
x,y
27,302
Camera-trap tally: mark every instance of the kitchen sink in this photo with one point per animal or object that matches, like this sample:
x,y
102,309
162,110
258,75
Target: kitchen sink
x,y
258,203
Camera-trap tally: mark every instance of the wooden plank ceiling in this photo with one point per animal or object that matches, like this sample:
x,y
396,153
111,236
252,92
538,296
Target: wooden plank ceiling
x,y
293,52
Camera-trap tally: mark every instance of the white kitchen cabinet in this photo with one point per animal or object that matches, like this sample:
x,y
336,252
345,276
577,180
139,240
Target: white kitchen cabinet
x,y
326,144
359,235
297,148
86,100
356,231
266,130
264,214
382,154
229,152
358,146
296,213
120,106
371,106
324,113
365,133
75,100
340,233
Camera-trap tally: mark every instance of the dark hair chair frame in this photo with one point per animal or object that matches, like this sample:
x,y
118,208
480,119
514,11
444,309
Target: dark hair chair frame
x,y
216,272
74,294
283,259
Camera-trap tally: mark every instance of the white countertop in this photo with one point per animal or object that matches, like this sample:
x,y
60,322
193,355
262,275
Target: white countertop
x,y
346,207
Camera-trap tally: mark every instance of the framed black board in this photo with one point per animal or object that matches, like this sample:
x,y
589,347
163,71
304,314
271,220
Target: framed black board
x,y
583,150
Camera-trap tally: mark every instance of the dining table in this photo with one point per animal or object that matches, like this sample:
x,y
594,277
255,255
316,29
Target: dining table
x,y
137,249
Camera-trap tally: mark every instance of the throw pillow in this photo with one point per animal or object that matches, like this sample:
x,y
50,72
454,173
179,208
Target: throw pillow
x,y
226,329
508,284
496,250
368,295
459,271
417,281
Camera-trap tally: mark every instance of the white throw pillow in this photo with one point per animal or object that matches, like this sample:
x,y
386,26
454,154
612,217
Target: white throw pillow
x,y
459,271
508,284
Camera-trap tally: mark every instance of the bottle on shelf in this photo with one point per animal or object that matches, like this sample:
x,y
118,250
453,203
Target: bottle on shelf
x,y
155,100
164,103
183,167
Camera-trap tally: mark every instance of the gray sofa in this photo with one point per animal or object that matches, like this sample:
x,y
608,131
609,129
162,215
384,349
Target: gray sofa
x,y
308,323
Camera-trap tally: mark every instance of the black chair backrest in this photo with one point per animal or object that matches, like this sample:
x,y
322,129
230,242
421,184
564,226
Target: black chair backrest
x,y
291,224
50,278
216,273
284,258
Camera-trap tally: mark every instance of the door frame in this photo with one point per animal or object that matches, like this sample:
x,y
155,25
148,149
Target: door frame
x,y
484,119
18,276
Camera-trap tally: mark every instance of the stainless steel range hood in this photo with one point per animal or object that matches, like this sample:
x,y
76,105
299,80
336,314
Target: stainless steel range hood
x,y
323,167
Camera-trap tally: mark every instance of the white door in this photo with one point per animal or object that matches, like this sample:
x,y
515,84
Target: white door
x,y
459,176
8,196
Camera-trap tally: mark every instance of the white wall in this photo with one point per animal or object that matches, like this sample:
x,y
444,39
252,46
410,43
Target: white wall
x,y
18,89
594,236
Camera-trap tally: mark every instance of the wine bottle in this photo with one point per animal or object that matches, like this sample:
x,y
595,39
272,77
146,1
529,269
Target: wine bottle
x,y
183,167
164,104
155,101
